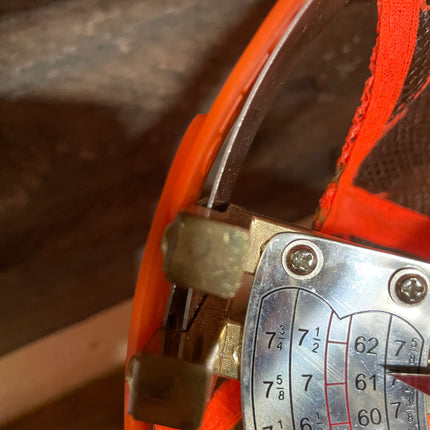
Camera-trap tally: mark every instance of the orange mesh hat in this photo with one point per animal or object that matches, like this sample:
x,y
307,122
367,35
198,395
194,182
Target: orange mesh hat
x,y
381,190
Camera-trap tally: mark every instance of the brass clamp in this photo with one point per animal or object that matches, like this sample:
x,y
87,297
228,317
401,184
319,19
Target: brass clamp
x,y
210,259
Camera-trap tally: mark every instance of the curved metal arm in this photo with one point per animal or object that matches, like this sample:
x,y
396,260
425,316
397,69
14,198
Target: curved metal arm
x,y
311,18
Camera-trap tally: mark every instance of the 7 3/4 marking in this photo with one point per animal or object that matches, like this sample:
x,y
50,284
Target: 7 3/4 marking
x,y
276,338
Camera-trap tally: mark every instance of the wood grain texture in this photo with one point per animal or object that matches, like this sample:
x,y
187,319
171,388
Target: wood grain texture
x,y
63,361
94,97
98,406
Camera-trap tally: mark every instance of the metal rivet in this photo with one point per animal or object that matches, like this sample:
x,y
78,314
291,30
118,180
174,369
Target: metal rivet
x,y
411,288
302,260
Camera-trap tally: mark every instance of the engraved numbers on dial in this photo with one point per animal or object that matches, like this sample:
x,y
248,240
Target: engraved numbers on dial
x,y
315,341
312,370
404,348
307,362
278,387
270,371
362,345
366,369
379,341
362,382
276,339
277,426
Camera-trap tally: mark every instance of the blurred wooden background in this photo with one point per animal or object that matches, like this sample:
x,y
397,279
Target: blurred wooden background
x,y
94,98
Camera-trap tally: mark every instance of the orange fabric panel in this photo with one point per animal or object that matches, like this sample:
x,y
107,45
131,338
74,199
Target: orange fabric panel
x,y
224,410
347,210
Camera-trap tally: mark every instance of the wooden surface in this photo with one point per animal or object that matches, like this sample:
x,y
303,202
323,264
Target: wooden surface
x,y
97,406
63,361
94,97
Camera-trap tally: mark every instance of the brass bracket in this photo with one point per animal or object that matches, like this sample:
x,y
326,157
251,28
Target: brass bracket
x,y
205,254
210,259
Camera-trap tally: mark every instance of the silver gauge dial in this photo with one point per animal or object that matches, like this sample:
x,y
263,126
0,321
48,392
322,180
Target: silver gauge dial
x,y
318,351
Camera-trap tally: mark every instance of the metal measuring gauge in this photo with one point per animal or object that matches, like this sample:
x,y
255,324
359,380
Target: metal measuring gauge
x,y
327,325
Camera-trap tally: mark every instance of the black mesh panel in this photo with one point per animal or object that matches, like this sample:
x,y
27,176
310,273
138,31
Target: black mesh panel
x,y
399,165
